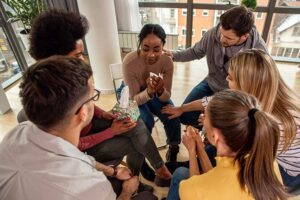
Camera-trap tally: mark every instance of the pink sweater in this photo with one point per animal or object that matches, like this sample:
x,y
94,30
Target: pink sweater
x,y
136,72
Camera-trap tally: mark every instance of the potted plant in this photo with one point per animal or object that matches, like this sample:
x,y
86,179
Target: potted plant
x,y
24,11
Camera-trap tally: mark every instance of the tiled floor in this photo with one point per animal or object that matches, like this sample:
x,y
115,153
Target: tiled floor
x,y
186,76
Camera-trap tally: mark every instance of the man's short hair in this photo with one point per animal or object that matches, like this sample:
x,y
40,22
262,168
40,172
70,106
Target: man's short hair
x,y
240,19
52,88
55,32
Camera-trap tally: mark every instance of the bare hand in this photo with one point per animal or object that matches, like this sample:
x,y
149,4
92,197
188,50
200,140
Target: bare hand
x,y
108,115
194,133
168,53
122,126
130,185
172,111
123,173
189,141
150,87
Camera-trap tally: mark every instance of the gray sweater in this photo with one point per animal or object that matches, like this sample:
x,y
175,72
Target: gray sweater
x,y
211,47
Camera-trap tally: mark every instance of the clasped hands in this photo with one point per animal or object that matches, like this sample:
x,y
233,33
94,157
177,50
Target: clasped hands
x,y
192,140
155,85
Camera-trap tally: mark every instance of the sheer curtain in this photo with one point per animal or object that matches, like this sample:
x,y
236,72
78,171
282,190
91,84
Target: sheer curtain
x,y
127,12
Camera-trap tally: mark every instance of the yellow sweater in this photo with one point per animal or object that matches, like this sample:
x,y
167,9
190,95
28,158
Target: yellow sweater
x,y
219,183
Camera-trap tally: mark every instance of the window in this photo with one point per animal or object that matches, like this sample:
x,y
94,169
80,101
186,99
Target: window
x,y
288,52
183,31
184,12
172,13
296,31
203,31
259,15
205,13
295,53
280,51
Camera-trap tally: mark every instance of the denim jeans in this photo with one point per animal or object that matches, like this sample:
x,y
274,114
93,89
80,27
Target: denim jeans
x,y
171,126
180,174
291,182
198,92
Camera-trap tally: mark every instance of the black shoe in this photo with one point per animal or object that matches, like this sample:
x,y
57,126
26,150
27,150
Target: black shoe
x,y
172,166
172,152
144,187
147,172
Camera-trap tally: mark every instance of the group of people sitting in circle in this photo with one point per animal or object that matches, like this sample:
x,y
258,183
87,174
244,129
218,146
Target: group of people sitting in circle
x,y
65,147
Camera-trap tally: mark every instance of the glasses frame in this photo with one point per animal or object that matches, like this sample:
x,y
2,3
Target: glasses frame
x,y
95,97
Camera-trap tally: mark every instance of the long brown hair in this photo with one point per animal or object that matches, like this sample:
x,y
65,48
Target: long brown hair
x,y
255,72
253,136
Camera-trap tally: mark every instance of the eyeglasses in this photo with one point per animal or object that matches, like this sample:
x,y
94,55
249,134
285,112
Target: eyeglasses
x,y
94,98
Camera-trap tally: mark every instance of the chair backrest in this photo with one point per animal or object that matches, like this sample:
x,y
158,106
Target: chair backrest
x,y
116,73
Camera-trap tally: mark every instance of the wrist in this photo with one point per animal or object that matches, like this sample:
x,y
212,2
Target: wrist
x,y
113,171
160,91
150,94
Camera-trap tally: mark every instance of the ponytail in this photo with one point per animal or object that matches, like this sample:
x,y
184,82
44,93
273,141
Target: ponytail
x,y
257,165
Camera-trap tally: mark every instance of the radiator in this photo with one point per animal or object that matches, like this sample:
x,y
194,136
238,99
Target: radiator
x,y
128,41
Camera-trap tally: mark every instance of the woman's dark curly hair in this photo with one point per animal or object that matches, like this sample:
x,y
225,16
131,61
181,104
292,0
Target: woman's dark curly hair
x,y
55,32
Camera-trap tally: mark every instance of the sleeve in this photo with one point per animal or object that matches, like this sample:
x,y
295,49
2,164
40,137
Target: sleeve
x,y
198,51
132,81
89,141
167,78
98,112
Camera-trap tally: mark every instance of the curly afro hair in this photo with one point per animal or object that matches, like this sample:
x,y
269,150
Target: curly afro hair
x,y
55,32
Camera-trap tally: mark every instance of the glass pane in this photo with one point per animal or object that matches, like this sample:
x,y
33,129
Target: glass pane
x,y
173,22
204,20
9,67
290,3
172,1
284,37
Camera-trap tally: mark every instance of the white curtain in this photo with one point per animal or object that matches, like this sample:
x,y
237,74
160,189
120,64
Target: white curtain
x,y
127,12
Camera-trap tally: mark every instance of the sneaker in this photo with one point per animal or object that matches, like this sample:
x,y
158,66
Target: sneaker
x,y
147,172
172,152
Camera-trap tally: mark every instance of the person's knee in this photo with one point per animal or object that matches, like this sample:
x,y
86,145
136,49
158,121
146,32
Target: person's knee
x,y
180,174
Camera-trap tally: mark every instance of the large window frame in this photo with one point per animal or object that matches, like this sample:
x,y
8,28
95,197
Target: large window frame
x,y
269,11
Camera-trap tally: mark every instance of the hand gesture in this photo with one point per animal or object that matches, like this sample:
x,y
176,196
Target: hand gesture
x,y
168,53
189,141
108,115
122,126
158,84
130,185
123,173
194,133
150,87
172,111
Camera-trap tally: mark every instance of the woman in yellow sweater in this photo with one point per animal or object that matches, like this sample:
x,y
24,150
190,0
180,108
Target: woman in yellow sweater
x,y
246,140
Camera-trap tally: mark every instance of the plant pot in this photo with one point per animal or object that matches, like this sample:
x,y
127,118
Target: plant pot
x,y
24,35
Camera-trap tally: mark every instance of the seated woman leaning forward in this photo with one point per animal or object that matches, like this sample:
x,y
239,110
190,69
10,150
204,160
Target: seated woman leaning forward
x,y
148,74
246,140
255,72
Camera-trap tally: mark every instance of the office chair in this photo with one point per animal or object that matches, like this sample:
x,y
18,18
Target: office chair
x,y
116,73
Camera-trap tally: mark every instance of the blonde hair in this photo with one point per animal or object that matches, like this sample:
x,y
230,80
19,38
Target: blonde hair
x,y
253,135
255,72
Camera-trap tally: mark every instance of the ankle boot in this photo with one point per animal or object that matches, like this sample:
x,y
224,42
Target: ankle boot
x,y
172,152
147,172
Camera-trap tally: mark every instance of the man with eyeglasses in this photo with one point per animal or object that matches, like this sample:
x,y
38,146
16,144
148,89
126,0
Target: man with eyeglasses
x,y
235,32
107,139
39,157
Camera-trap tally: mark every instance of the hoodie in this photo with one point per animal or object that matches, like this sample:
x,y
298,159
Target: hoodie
x,y
211,47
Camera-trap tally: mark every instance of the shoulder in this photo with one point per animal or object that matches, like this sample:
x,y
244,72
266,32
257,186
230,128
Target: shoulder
x,y
130,58
166,60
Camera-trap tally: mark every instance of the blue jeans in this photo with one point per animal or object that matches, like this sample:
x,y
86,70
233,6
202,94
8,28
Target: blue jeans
x,y
172,127
291,182
198,92
180,174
